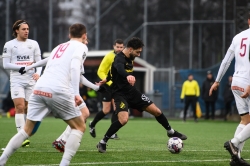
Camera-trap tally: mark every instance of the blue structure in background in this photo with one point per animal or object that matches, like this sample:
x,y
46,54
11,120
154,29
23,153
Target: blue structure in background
x,y
199,76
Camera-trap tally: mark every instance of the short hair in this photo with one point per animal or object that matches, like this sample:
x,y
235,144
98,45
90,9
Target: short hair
x,y
118,41
135,43
77,30
16,26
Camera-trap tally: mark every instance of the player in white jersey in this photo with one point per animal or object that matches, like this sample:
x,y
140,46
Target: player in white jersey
x,y
59,143
19,52
239,49
57,91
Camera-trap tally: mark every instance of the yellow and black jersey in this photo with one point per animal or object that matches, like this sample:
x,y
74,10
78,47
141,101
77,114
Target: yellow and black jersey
x,y
105,66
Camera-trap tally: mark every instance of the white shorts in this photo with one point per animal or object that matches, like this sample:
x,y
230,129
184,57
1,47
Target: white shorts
x,y
44,100
243,105
22,89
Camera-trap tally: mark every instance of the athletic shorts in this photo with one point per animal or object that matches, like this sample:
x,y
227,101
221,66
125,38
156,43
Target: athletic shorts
x,y
243,105
107,95
22,89
133,99
45,100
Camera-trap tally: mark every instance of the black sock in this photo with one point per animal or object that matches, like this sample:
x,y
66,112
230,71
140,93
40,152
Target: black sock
x,y
114,127
97,118
163,121
114,117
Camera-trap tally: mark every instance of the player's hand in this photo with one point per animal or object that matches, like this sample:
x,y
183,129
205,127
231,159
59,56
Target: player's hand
x,y
101,82
131,80
213,87
22,70
246,93
36,76
78,100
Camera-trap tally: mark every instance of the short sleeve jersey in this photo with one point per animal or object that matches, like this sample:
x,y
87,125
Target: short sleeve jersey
x,y
21,53
57,74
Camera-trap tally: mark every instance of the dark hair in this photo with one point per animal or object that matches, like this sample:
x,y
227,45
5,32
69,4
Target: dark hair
x,y
16,26
77,30
135,43
118,41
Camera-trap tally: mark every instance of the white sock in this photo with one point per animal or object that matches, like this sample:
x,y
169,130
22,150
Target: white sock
x,y
171,131
237,131
71,146
14,143
64,136
25,117
20,122
242,136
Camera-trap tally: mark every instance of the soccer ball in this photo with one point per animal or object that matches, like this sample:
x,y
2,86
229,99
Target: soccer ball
x,y
175,145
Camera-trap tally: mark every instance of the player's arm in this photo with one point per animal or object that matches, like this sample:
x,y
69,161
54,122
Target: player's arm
x,y
37,54
104,66
7,59
183,89
87,83
119,65
37,64
197,89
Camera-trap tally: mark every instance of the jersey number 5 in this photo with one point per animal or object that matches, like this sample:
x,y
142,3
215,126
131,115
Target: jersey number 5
x,y
243,47
60,50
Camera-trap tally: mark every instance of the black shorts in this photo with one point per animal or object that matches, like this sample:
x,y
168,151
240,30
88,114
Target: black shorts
x,y
107,95
133,99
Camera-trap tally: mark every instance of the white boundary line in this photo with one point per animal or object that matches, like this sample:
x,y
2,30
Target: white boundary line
x,y
138,162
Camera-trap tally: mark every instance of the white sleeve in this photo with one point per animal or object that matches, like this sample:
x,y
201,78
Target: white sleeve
x,y
225,64
87,83
37,64
38,69
10,66
75,74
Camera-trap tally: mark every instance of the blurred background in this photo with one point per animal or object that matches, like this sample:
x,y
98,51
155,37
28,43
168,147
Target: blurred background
x,y
181,37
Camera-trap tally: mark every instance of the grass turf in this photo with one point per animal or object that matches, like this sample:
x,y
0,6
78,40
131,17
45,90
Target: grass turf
x,y
143,142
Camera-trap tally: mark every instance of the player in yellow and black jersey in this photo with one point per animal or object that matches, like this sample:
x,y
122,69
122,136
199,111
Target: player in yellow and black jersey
x,y
102,72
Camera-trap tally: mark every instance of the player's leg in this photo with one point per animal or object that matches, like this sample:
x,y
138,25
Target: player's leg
x,y
106,107
193,105
34,117
78,127
114,118
213,109
187,103
243,130
121,106
60,142
161,118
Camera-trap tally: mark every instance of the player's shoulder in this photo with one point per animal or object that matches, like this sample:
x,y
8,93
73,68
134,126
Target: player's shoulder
x,y
242,34
10,42
32,41
110,53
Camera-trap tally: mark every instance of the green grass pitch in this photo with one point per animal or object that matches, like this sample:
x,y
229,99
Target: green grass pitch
x,y
143,142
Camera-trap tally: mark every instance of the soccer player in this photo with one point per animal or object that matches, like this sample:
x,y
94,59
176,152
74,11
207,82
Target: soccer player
x,y
239,49
19,52
106,95
59,143
126,95
57,91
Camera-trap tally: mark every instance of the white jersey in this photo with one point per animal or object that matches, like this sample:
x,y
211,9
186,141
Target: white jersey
x,y
57,74
21,53
239,49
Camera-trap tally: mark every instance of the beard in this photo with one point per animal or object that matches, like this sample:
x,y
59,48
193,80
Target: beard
x,y
132,57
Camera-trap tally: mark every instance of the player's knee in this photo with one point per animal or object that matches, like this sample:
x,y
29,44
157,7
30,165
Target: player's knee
x,y
20,108
106,109
123,120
